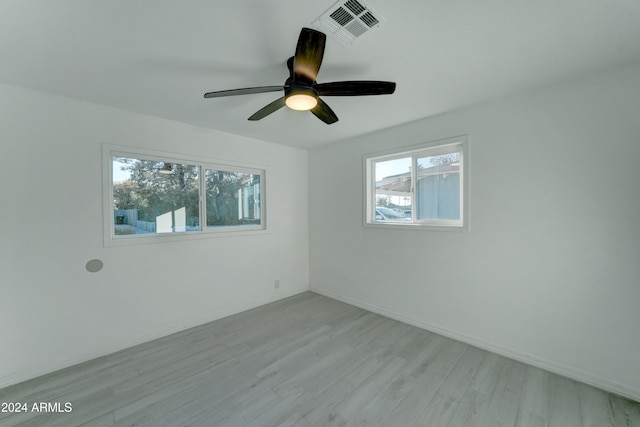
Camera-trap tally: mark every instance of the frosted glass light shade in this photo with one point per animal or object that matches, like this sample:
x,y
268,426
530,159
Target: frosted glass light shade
x,y
301,102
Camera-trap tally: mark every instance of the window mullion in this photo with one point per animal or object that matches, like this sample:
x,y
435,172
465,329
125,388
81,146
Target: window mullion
x,y
414,185
373,192
202,197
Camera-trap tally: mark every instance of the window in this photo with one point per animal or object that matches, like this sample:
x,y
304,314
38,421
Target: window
x,y
152,194
233,198
422,185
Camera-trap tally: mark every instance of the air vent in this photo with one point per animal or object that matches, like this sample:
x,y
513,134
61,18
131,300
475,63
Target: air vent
x,y
341,16
347,21
369,19
355,7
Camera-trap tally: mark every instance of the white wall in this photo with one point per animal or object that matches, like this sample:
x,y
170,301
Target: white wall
x,y
550,270
54,313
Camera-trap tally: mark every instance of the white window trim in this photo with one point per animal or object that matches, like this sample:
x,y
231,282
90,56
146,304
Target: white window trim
x,y
441,146
109,237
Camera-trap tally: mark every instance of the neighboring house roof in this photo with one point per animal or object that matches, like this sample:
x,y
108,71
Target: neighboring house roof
x,y
401,183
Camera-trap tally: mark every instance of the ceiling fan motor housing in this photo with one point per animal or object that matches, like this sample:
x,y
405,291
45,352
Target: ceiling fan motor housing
x,y
298,89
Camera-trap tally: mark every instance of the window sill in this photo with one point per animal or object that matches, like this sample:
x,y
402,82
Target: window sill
x,y
147,239
416,227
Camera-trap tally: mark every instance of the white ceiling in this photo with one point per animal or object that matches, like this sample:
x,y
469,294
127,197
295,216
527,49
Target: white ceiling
x,y
159,57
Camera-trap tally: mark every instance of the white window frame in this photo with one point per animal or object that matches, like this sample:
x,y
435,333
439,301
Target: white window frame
x,y
111,239
432,148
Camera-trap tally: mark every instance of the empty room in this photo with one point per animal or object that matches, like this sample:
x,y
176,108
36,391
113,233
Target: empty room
x,y
310,213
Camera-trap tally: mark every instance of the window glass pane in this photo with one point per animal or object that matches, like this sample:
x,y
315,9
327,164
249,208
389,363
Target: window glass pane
x,y
233,198
151,196
438,187
393,190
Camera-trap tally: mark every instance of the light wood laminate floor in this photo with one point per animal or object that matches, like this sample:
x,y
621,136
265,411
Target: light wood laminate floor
x,y
312,361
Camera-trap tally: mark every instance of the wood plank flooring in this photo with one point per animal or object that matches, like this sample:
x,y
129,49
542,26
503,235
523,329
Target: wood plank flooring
x,y
312,361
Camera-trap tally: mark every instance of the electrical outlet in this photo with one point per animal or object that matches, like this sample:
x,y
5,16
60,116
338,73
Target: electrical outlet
x,y
276,284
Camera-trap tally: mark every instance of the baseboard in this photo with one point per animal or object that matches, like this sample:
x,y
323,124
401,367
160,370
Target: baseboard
x,y
614,387
18,377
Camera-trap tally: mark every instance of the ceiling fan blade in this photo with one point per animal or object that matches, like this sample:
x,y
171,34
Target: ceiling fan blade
x,y
244,91
324,112
355,88
309,53
265,111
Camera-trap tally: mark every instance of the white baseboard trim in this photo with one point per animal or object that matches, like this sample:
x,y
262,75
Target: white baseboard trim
x,y
615,387
20,376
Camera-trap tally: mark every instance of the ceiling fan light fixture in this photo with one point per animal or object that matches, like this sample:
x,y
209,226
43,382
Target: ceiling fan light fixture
x,y
301,99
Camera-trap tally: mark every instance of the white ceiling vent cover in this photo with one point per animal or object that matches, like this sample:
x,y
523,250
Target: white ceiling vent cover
x,y
347,21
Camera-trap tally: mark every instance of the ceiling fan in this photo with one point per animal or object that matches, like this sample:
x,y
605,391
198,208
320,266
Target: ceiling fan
x,y
301,91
